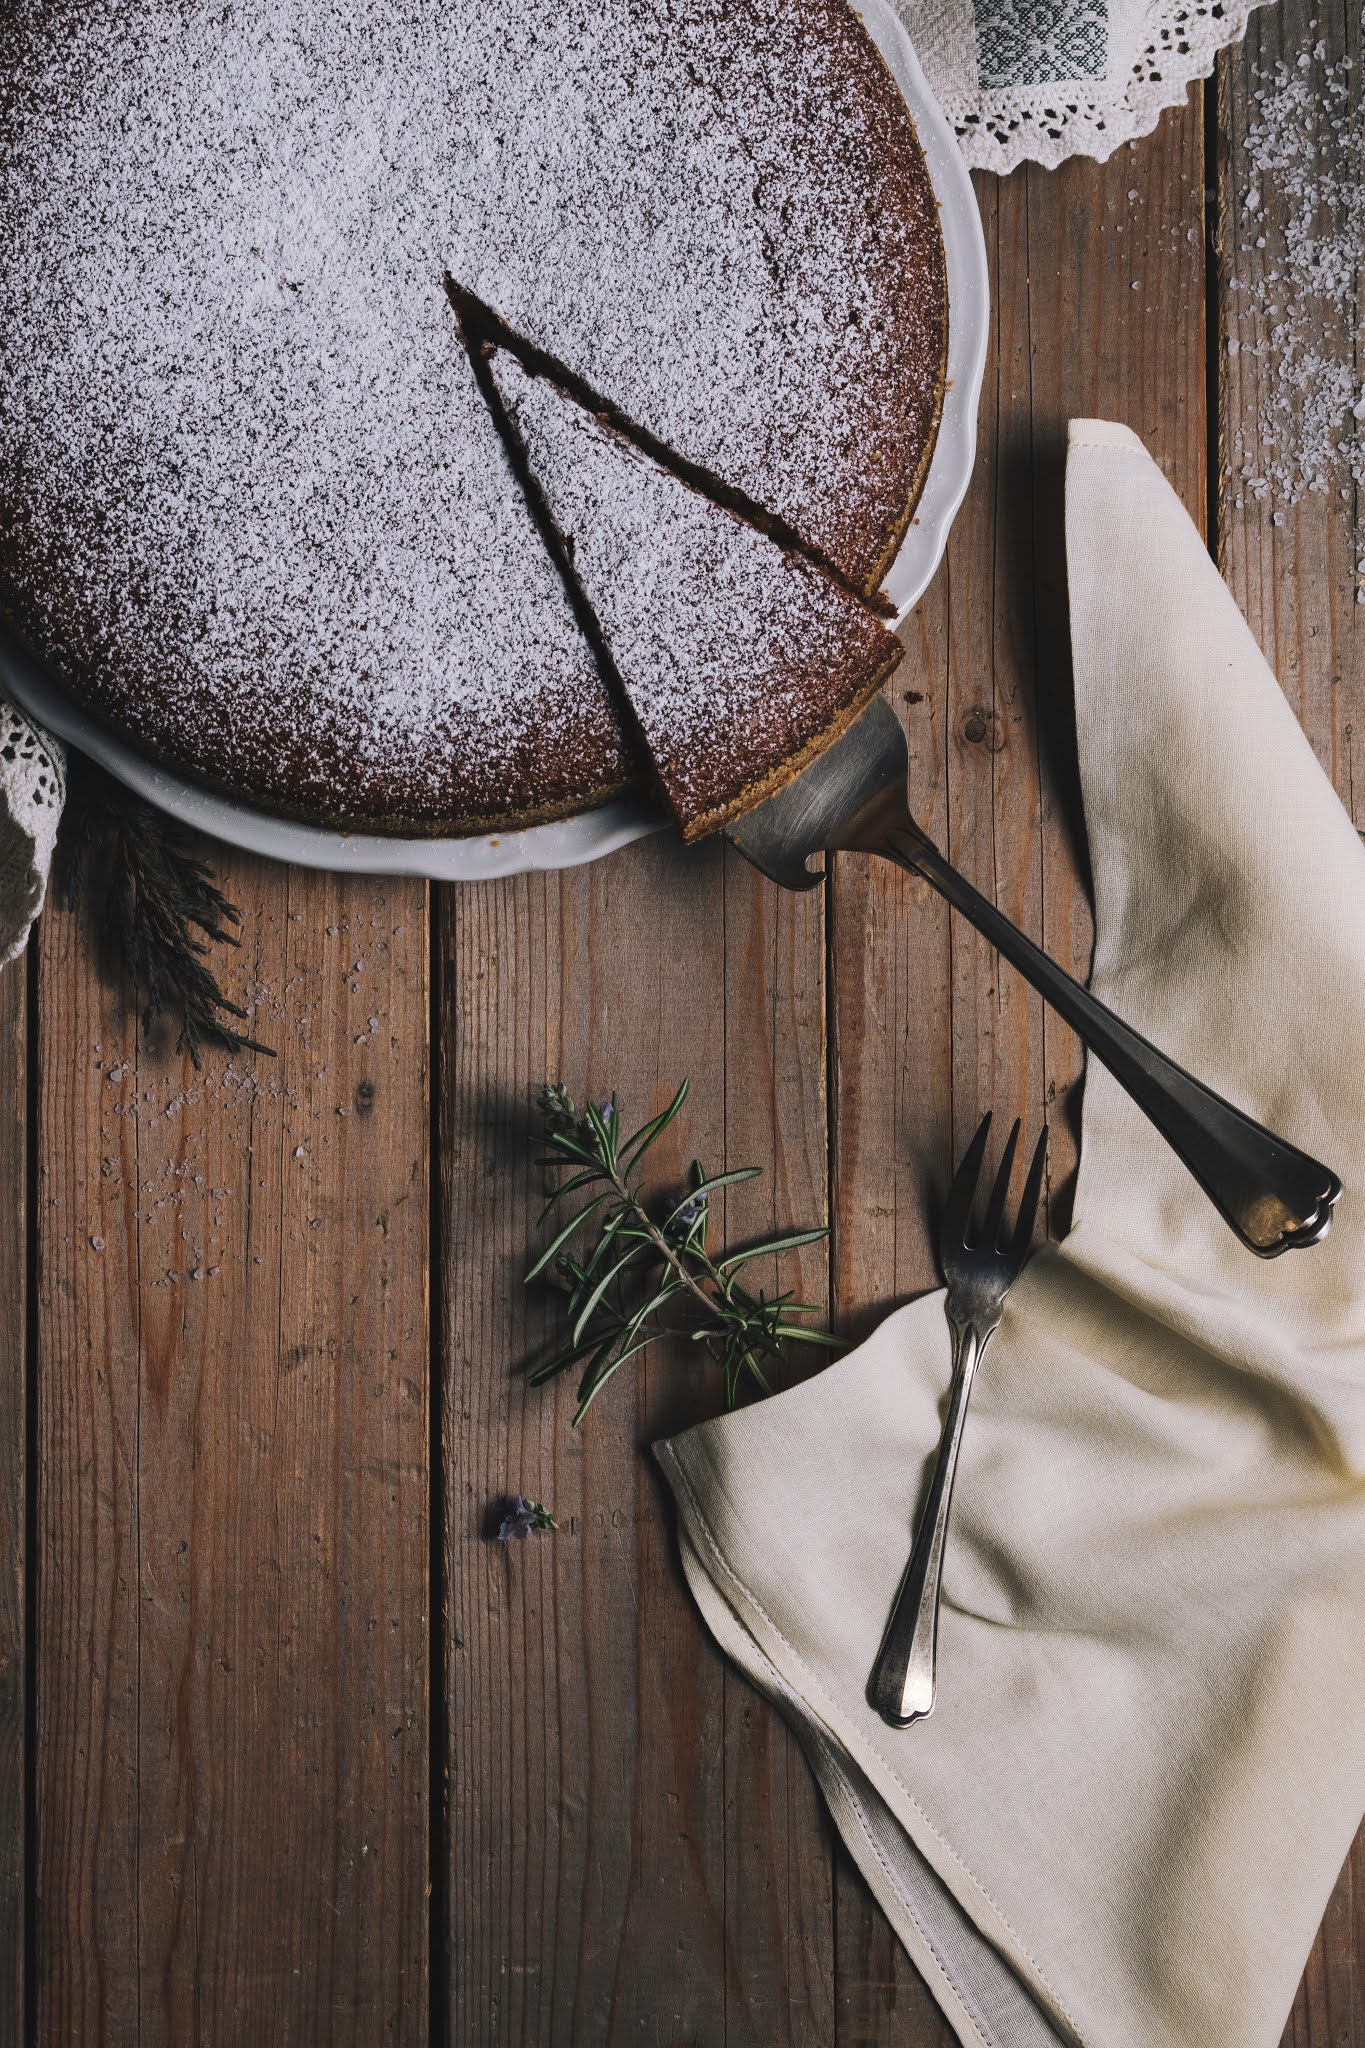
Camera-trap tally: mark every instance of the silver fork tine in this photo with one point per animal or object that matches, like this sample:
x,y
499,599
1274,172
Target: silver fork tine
x,y
1028,1206
993,1230
957,1210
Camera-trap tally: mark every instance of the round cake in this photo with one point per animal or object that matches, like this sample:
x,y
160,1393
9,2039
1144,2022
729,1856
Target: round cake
x,y
254,512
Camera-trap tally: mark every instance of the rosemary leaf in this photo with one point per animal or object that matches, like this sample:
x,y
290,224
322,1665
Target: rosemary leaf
x,y
770,1248
561,1237
648,1133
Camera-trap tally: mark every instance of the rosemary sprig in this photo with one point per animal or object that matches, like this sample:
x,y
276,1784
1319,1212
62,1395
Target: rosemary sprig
x,y
153,908
644,1276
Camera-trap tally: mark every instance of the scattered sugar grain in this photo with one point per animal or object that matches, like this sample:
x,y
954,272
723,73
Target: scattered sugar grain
x,y
1305,150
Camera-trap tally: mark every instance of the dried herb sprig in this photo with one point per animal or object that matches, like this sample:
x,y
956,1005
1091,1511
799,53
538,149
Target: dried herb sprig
x,y
518,1516
644,1277
153,908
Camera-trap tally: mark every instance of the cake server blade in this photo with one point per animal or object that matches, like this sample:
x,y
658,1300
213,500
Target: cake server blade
x,y
853,799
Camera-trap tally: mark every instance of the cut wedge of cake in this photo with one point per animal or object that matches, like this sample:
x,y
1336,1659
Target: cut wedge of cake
x,y
739,658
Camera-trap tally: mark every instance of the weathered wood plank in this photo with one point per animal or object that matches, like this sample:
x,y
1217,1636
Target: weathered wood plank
x,y
233,1489
1097,295
778,1844
14,1478
1290,553
634,1844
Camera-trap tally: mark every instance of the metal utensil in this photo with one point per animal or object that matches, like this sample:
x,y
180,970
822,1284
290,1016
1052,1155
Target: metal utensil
x,y
853,797
979,1271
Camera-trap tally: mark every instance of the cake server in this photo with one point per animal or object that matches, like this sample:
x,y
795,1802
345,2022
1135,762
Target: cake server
x,y
853,799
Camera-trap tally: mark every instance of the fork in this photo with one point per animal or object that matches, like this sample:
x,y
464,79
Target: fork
x,y
979,1272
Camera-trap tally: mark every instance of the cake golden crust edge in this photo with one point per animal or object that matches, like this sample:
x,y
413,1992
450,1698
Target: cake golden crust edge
x,y
777,778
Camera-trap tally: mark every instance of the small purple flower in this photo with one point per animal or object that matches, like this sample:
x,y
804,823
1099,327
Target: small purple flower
x,y
519,1516
607,1111
691,1209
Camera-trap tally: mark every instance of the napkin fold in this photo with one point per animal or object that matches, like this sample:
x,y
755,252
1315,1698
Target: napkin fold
x,y
1122,1823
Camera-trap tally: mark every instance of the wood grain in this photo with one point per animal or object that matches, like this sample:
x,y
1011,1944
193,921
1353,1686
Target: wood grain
x,y
14,1761
779,1900
234,1744
635,1846
232,1499
1291,559
1097,278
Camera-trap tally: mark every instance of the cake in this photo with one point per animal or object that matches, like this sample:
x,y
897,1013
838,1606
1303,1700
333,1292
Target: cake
x,y
739,658
254,512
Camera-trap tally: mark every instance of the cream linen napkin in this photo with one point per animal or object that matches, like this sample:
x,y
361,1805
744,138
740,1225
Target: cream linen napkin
x,y
1123,1821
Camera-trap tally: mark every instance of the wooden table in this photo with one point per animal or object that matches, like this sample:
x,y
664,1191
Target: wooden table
x,y
288,1750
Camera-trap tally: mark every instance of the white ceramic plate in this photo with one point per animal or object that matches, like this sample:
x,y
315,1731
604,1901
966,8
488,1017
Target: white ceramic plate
x,y
964,249
599,832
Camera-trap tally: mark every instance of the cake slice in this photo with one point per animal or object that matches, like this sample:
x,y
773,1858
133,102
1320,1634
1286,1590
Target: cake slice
x,y
739,658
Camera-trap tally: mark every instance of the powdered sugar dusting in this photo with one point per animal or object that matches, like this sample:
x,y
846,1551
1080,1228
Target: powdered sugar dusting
x,y
735,653
746,261
241,442
252,499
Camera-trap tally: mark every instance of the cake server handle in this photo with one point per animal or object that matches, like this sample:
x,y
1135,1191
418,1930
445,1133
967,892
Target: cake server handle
x,y
1274,1196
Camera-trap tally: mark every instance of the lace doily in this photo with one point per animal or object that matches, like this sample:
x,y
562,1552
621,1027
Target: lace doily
x,y
1049,79
32,792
